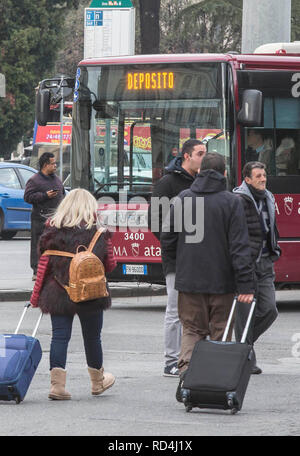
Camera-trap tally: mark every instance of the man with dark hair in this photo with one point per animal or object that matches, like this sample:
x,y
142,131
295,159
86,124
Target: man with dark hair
x,y
44,191
259,148
259,207
180,174
212,265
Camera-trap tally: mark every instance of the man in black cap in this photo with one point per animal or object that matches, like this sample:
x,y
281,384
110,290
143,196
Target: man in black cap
x,y
214,262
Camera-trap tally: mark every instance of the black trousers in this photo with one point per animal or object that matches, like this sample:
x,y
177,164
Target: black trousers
x,y
266,311
37,227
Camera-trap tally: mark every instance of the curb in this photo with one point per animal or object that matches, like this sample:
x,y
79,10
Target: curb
x,y
116,292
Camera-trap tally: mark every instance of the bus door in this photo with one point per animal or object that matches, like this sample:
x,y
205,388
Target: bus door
x,y
277,144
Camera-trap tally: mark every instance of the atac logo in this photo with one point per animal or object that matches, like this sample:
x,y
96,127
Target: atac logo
x,y
135,249
288,205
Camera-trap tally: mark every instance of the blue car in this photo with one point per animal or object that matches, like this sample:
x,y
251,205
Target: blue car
x,y
14,212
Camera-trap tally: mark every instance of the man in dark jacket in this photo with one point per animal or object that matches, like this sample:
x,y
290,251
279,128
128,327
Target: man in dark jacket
x,y
212,264
180,174
44,191
259,207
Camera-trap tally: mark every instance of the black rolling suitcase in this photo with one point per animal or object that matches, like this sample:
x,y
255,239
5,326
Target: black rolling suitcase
x,y
219,372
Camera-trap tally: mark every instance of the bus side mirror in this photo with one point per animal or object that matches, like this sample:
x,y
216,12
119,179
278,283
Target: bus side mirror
x,y
42,107
251,114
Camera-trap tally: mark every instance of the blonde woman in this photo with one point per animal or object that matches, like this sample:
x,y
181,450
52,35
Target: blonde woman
x,y
73,224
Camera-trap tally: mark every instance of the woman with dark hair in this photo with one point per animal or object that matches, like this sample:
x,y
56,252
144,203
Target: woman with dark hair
x,y
73,224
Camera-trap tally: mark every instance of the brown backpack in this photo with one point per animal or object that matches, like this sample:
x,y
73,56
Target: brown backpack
x,y
87,279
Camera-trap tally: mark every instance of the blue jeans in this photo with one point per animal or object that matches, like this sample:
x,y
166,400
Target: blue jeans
x,y
91,326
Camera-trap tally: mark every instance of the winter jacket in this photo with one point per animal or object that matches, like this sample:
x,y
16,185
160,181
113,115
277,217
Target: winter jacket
x,y
170,185
36,194
220,263
53,298
254,225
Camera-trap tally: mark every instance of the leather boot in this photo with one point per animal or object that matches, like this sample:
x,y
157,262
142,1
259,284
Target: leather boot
x,y
58,383
100,381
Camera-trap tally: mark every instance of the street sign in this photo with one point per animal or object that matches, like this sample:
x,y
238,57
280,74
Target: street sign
x,y
2,86
111,4
109,28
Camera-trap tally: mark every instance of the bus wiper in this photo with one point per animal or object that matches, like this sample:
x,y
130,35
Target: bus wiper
x,y
205,141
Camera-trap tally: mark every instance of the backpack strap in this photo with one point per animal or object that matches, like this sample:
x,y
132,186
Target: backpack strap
x,y
59,253
95,239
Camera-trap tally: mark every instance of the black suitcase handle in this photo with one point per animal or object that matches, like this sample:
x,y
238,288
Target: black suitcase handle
x,y
245,332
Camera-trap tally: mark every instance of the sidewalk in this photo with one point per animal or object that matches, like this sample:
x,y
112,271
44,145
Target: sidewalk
x,y
16,275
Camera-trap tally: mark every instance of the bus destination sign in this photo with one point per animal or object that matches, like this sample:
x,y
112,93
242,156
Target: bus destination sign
x,y
154,80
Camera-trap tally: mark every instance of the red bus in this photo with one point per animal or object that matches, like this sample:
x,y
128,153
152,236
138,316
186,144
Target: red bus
x,y
132,114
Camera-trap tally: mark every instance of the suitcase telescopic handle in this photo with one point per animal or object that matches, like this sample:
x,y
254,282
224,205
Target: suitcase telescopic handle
x,y
22,317
245,332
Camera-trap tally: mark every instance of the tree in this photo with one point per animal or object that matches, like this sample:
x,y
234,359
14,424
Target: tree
x,y
72,50
205,26
30,35
295,26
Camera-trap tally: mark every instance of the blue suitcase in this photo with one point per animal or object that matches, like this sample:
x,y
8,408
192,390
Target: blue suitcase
x,y
19,358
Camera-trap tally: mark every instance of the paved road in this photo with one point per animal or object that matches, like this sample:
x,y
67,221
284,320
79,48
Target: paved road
x,y
142,401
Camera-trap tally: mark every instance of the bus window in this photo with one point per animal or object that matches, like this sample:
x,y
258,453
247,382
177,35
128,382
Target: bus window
x,y
140,119
277,144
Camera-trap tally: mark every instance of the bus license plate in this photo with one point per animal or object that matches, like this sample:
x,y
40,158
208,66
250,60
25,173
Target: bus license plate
x,y
135,269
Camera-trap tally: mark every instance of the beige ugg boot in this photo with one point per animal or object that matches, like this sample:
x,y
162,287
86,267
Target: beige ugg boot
x,y
100,381
58,383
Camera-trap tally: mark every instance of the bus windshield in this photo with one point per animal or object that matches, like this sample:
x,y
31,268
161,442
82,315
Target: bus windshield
x,y
130,121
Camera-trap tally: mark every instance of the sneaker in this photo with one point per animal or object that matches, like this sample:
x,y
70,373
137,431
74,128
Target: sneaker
x,y
171,371
34,277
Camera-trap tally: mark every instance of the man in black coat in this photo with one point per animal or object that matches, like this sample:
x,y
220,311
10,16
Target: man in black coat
x,y
259,207
44,191
180,174
213,262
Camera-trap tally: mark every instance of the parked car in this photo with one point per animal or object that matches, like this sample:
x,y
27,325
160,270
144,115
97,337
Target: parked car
x,y
14,212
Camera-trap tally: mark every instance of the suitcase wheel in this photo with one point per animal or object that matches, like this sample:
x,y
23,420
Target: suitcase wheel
x,y
232,404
